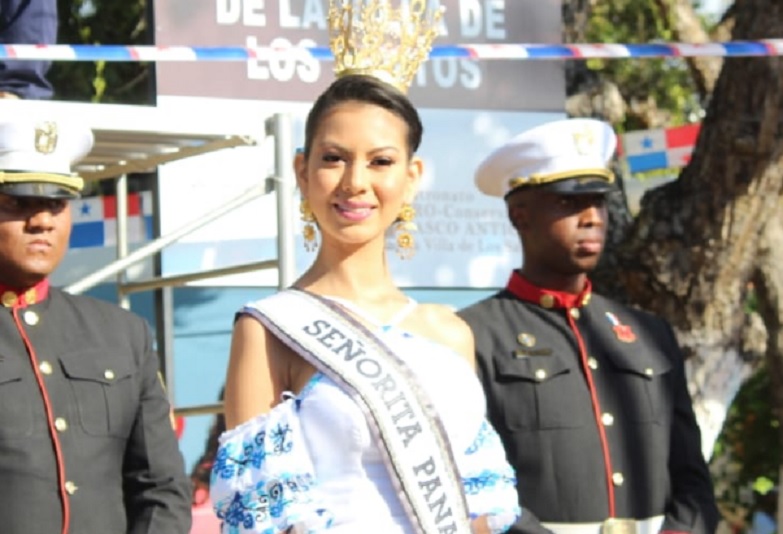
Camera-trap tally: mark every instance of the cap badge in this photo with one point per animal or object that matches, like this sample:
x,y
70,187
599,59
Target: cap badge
x,y
584,141
527,340
623,331
46,137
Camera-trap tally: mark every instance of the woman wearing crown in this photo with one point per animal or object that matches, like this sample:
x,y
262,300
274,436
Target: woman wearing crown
x,y
350,407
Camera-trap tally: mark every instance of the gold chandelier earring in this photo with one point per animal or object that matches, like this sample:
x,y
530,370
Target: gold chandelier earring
x,y
309,232
406,243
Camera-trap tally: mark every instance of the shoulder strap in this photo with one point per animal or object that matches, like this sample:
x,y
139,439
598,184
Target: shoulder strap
x,y
416,448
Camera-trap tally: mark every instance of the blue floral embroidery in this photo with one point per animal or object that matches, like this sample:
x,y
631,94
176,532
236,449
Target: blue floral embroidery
x,y
242,512
280,438
268,501
486,481
263,480
489,481
257,458
229,464
224,467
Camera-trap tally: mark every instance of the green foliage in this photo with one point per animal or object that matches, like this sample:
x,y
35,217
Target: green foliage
x,y
750,303
646,84
763,485
93,22
750,433
747,454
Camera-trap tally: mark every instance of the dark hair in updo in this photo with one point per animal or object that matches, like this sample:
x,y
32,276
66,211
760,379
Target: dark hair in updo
x,y
367,90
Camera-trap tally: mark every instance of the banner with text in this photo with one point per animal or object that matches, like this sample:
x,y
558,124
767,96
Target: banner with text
x,y
463,237
468,109
441,82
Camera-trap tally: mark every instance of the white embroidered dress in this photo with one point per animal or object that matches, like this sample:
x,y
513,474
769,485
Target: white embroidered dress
x,y
313,463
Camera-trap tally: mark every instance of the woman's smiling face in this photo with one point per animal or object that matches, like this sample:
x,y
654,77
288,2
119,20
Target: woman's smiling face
x,y
358,174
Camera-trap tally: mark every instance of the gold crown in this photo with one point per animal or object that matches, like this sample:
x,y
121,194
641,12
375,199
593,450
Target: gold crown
x,y
372,38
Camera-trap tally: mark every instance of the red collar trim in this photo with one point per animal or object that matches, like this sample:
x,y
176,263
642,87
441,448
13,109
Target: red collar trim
x,y
525,290
16,298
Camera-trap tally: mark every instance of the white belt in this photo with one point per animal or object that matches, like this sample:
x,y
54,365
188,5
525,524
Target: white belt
x,y
651,525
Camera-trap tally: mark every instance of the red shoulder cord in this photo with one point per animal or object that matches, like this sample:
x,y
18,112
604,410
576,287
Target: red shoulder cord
x,y
58,453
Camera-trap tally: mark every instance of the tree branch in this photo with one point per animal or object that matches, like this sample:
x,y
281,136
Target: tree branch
x,y
725,27
687,28
132,83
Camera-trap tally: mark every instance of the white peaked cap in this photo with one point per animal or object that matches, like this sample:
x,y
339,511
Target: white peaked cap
x,y
43,146
37,154
551,154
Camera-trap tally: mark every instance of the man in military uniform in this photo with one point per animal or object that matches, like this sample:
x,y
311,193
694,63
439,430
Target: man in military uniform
x,y
86,446
589,396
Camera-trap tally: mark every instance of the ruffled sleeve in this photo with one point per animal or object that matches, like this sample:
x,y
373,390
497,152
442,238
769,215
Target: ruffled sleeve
x,y
263,480
489,481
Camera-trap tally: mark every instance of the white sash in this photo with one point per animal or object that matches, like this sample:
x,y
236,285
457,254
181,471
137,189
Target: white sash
x,y
416,448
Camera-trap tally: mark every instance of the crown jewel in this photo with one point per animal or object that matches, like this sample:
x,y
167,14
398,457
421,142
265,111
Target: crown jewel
x,y
370,37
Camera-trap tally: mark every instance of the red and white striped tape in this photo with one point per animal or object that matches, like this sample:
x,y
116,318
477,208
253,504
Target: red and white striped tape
x,y
150,53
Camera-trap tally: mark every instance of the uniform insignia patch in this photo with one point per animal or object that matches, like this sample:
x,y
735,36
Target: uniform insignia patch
x,y
623,331
527,340
525,353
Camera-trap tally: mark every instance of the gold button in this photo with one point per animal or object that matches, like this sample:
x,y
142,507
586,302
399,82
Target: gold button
x,y
108,374
592,363
586,299
46,368
61,424
649,372
547,301
607,419
70,487
540,374
8,299
574,313
618,479
31,296
31,318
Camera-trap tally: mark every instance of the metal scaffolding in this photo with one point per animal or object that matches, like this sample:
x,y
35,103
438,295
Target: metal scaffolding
x,y
118,153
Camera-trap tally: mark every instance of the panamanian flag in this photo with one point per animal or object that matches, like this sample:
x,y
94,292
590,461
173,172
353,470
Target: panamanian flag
x,y
670,148
95,220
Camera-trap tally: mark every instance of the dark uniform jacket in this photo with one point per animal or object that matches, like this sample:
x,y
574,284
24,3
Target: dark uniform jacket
x,y
120,469
538,385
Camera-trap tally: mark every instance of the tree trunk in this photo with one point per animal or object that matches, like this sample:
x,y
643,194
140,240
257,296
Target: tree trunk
x,y
575,14
692,249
